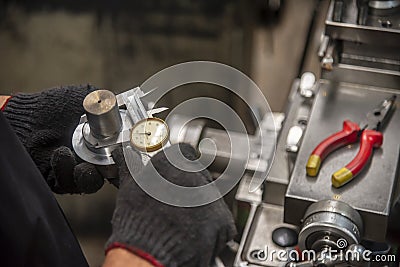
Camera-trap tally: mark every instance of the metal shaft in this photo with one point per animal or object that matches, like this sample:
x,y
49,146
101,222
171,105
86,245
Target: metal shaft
x,y
102,113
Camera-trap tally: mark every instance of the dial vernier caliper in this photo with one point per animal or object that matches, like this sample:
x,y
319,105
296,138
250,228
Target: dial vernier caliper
x,y
118,120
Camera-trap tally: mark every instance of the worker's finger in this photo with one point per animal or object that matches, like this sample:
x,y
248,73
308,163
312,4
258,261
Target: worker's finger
x,y
131,158
114,182
226,233
44,138
63,163
87,178
118,156
68,177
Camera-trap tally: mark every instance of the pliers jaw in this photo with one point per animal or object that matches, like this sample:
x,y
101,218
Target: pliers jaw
x,y
378,117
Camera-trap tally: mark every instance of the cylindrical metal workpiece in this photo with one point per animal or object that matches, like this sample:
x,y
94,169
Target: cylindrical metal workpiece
x,y
102,113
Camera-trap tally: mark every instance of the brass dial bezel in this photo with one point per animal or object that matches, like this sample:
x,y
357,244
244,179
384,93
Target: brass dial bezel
x,y
151,148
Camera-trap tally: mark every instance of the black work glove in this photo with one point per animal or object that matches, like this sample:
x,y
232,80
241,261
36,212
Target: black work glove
x,y
162,234
44,122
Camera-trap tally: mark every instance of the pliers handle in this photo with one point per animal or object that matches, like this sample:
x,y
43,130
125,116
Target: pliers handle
x,y
349,134
370,139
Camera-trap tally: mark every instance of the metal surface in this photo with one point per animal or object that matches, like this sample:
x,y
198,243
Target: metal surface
x,y
362,12
374,62
96,137
384,4
371,192
239,260
372,31
223,143
267,218
243,194
355,254
376,57
338,11
102,113
184,130
134,106
87,147
335,206
378,118
327,221
357,250
330,55
363,75
366,42
255,198
297,113
195,131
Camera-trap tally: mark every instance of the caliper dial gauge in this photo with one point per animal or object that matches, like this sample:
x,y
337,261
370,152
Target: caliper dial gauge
x,y
149,134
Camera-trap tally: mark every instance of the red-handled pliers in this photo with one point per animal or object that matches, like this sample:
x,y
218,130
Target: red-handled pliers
x,y
369,133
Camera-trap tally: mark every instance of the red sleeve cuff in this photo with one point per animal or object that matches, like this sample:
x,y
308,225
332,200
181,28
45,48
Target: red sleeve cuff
x,y
3,101
138,252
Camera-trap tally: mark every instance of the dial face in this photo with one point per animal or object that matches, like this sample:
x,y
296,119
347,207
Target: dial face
x,y
149,134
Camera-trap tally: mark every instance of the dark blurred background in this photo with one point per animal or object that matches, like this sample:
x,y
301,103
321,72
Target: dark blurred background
x,y
119,44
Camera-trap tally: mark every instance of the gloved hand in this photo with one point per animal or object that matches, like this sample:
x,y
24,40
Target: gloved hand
x,y
166,235
44,122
